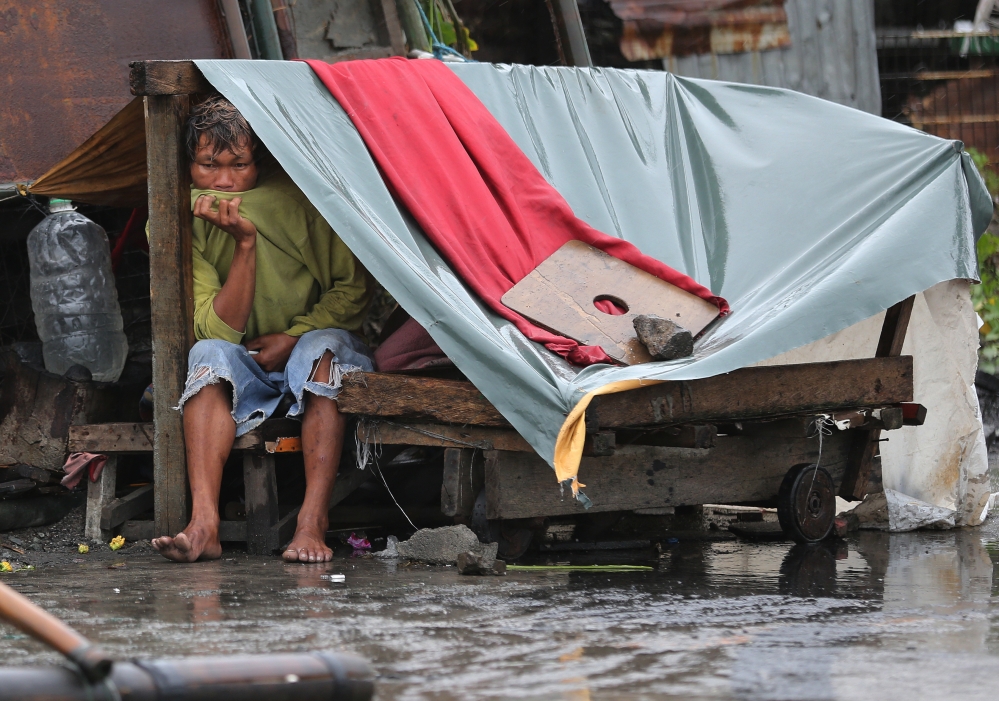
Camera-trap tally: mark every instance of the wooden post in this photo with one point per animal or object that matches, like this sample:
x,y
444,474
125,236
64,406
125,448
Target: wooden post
x,y
171,300
569,34
260,482
865,447
463,480
100,494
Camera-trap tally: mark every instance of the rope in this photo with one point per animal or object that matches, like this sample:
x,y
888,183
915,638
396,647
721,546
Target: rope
x,y
439,49
369,451
823,425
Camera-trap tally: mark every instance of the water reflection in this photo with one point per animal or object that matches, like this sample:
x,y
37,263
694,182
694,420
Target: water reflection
x,y
878,616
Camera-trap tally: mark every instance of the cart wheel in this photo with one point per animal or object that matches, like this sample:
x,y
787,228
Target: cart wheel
x,y
806,503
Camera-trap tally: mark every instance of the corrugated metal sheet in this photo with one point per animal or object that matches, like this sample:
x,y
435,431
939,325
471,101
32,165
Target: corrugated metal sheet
x,y
66,67
832,55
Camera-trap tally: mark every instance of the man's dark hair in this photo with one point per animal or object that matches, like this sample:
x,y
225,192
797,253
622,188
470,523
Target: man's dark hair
x,y
225,128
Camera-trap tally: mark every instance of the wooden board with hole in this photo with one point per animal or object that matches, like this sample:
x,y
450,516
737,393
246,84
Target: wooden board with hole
x,y
559,295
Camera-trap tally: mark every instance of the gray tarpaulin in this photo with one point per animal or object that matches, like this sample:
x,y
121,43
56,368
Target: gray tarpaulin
x,y
805,215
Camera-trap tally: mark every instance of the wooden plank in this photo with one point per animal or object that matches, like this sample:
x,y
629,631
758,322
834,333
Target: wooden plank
x,y
417,398
758,392
442,435
739,469
166,78
171,299
865,451
99,495
463,480
111,438
138,437
260,483
559,295
893,329
137,502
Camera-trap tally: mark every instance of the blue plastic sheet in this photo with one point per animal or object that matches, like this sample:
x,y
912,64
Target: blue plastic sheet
x,y
805,215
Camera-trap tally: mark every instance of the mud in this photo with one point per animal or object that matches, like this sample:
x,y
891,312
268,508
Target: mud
x,y
913,616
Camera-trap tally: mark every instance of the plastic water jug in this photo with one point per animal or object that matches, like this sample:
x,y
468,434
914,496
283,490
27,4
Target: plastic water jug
x,y
73,295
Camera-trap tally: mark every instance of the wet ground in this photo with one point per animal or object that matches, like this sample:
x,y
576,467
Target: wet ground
x,y
913,616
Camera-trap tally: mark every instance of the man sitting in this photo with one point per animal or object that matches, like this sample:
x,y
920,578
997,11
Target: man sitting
x,y
277,299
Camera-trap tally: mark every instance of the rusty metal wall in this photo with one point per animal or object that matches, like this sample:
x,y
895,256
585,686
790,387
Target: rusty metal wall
x,y
65,67
832,55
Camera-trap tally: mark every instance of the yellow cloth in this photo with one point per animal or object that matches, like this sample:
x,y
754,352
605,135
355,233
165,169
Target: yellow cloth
x,y
307,278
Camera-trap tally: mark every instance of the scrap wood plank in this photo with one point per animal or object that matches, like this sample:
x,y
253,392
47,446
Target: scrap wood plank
x,y
129,506
739,469
427,398
759,392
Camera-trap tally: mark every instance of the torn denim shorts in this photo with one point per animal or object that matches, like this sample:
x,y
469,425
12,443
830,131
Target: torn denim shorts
x,y
257,393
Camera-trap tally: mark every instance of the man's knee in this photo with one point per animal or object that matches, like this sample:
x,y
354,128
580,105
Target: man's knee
x,y
322,369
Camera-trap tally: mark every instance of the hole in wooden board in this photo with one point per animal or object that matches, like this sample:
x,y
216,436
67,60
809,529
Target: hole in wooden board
x,y
609,304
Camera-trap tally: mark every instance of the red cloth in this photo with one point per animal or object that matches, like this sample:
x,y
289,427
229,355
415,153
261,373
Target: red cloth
x,y
410,347
476,195
77,465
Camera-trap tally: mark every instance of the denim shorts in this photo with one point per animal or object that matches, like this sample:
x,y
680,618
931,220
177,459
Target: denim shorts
x,y
257,393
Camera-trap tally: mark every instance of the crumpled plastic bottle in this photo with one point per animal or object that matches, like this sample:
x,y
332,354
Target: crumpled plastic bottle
x,y
73,295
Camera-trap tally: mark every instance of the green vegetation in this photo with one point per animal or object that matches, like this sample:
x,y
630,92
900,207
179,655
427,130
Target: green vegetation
x,y
986,295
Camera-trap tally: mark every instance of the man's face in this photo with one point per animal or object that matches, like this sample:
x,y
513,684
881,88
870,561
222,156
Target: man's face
x,y
228,171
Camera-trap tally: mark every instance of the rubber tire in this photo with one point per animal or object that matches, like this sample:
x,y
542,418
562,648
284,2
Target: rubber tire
x,y
787,510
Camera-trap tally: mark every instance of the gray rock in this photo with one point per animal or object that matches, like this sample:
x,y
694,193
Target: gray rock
x,y
665,339
441,546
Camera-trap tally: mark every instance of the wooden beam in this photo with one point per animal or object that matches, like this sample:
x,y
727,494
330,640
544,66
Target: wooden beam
x,y
138,437
894,329
866,447
166,78
442,436
739,469
417,398
171,299
758,392
129,506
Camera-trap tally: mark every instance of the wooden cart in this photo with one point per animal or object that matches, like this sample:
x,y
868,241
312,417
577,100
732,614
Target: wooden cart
x,y
733,438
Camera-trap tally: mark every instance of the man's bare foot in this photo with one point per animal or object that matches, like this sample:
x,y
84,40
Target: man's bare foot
x,y
195,542
308,545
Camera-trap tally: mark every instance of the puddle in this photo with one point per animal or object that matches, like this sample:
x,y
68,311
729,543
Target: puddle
x,y
882,616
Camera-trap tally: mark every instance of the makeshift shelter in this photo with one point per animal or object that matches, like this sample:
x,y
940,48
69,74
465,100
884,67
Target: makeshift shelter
x,y
808,217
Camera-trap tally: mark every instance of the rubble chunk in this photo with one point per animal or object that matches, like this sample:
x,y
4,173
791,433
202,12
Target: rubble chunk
x,y
441,546
471,564
665,339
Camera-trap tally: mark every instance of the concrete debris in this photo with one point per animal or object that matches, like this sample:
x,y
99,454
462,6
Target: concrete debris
x,y
441,546
472,564
665,339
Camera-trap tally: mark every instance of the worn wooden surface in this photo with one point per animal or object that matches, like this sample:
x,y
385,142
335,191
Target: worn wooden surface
x,y
166,78
759,392
442,435
866,448
133,504
463,480
559,295
417,398
99,495
745,468
138,437
171,299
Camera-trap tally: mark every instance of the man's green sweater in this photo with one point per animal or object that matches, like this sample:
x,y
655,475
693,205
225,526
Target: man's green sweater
x,y
307,278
